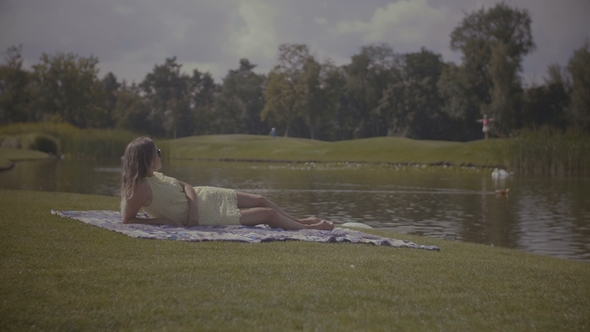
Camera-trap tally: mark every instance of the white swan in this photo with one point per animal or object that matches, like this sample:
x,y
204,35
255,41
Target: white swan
x,y
500,174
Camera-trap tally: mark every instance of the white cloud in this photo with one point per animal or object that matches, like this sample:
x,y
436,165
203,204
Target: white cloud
x,y
406,21
122,9
320,20
252,32
130,36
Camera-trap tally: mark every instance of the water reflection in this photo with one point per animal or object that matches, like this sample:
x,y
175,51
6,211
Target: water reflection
x,y
549,216
88,177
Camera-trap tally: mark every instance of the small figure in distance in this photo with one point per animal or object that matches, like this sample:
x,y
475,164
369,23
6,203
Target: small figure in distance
x,y
486,125
168,201
273,132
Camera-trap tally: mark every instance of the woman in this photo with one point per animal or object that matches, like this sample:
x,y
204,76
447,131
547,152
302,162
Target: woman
x,y
171,202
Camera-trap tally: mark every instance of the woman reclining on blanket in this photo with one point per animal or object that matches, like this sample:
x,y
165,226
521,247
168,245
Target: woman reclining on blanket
x,y
169,201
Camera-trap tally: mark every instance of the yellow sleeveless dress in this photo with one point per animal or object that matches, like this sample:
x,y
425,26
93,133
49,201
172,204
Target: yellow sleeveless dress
x,y
217,206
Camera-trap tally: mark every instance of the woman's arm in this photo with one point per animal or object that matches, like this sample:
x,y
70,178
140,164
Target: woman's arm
x,y
193,210
142,196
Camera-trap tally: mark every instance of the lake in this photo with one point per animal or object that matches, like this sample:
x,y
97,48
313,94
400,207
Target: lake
x,y
543,215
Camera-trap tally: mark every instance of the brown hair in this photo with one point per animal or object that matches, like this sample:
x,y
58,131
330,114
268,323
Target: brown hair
x,y
139,157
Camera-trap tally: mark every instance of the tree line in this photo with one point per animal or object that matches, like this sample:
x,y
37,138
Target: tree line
x,y
380,92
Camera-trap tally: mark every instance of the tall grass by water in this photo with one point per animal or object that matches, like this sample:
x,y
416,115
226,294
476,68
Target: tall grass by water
x,y
550,151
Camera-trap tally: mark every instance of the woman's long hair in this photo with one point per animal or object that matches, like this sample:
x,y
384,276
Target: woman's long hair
x,y
139,157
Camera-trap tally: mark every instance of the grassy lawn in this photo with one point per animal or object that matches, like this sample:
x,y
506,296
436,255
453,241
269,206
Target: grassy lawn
x,y
7,156
377,149
62,274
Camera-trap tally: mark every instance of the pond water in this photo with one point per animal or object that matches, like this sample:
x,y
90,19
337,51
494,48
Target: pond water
x,y
544,215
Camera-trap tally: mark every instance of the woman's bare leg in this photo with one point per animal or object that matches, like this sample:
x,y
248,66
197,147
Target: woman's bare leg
x,y
264,215
246,200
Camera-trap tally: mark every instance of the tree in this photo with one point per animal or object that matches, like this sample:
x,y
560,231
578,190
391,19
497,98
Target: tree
x,y
132,111
368,75
499,31
66,88
286,95
321,96
459,104
311,83
110,87
337,120
14,92
167,89
203,92
506,91
499,24
579,68
412,105
325,83
241,100
547,105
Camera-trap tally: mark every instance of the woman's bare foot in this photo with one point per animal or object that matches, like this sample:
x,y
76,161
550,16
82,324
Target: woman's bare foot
x,y
323,225
310,220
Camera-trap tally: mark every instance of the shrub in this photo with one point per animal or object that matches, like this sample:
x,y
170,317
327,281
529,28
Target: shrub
x,y
11,142
44,143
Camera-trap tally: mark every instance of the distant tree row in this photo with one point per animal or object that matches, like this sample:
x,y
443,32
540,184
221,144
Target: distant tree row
x,y
378,93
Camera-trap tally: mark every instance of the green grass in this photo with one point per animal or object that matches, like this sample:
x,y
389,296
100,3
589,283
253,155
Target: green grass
x,y
7,156
20,154
61,274
378,149
544,151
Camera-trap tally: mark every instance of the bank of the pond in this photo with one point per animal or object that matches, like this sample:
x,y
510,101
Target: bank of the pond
x,y
62,274
8,157
395,150
542,152
371,150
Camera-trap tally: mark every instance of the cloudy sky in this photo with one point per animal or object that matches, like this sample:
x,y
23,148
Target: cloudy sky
x,y
130,36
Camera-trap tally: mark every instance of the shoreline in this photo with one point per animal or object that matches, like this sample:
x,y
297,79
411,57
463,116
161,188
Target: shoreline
x,y
7,167
287,161
11,162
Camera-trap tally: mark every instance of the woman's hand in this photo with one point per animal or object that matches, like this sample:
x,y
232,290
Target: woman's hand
x,y
193,210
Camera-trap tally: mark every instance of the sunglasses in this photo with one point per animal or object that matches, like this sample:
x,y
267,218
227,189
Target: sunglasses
x,y
159,153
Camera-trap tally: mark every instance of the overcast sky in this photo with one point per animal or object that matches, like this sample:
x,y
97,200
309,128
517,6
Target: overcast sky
x,y
130,36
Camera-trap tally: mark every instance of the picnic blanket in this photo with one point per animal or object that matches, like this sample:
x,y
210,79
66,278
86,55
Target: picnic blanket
x,y
111,220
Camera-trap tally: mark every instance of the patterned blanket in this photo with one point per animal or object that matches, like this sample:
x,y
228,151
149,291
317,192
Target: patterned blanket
x,y
111,220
